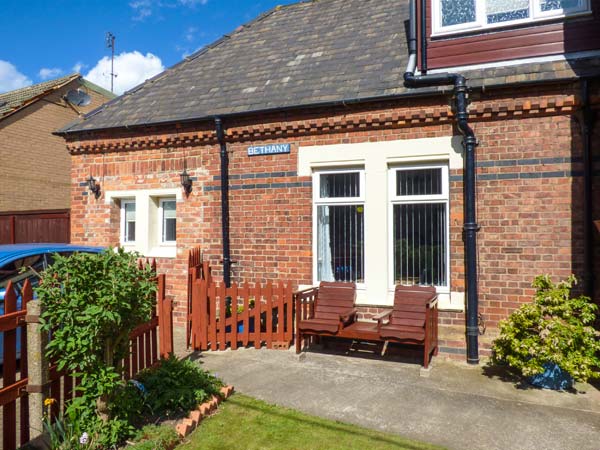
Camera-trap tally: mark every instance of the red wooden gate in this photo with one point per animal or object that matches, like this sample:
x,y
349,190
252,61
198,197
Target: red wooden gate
x,y
265,315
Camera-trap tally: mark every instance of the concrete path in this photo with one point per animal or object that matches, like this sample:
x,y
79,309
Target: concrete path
x,y
456,406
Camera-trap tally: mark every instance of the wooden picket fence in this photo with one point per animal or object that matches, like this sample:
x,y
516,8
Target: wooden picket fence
x,y
266,316
148,342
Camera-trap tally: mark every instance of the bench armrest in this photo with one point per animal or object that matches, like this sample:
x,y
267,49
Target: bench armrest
x,y
348,316
306,290
433,302
381,317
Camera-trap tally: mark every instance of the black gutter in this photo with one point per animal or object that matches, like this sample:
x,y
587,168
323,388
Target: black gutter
x,y
470,226
587,126
224,201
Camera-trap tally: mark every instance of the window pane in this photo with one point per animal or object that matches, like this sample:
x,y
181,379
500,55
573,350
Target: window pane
x,y
505,10
419,182
340,243
340,185
169,230
169,208
130,212
456,12
554,5
129,231
420,246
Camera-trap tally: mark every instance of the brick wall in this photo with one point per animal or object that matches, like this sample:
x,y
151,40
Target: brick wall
x,y
529,192
35,164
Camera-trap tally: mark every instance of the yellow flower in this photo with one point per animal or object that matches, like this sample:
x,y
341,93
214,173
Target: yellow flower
x,y
49,401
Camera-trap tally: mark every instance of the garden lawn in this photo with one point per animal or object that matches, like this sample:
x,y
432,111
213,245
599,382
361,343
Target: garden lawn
x,y
245,423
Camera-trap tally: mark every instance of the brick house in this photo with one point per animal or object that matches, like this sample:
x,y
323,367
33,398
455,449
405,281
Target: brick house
x,y
338,170
36,174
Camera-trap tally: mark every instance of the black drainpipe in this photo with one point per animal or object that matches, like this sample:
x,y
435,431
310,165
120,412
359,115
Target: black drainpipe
x,y
224,201
423,37
470,226
587,126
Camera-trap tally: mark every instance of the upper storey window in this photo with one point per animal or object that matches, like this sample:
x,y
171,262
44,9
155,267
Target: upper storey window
x,y
464,15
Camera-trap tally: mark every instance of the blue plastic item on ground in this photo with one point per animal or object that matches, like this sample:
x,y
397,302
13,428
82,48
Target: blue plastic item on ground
x,y
553,378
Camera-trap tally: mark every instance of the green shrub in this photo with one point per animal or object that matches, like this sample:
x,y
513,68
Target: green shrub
x,y
154,437
91,303
177,386
554,328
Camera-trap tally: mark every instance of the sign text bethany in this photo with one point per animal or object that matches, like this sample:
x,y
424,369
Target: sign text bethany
x,y
268,149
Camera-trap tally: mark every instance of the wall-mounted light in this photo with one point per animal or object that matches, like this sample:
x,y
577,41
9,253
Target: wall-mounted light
x,y
93,186
186,182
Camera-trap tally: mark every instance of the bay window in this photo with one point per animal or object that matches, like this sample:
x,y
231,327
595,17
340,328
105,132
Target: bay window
x,y
465,15
339,225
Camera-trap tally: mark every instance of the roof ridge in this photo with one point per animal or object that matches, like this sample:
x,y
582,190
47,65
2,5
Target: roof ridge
x,y
61,81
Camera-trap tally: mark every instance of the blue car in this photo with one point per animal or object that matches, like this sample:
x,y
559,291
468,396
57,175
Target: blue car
x,y
34,258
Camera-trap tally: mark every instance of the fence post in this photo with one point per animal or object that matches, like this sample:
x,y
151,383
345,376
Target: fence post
x,y
38,369
165,319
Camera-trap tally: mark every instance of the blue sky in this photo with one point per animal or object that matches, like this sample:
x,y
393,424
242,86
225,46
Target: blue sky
x,y
45,39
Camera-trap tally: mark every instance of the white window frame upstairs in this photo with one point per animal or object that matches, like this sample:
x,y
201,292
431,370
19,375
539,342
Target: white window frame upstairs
x,y
123,226
332,201
395,199
480,23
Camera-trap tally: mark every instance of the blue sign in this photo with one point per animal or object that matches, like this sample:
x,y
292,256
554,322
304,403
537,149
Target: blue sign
x,y
273,149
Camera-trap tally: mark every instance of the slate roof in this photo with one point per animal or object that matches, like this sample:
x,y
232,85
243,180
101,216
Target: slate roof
x,y
303,54
11,102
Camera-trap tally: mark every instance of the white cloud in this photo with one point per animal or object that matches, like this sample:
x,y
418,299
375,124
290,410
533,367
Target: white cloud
x,y
142,9
11,78
190,33
131,68
145,8
79,66
46,73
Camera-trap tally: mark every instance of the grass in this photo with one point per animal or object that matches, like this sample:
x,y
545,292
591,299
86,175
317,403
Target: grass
x,y
245,423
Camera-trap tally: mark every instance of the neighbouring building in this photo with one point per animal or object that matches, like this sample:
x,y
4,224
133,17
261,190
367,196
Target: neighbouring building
x,y
337,170
35,169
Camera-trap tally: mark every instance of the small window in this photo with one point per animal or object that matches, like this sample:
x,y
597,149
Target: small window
x,y
128,221
168,223
465,15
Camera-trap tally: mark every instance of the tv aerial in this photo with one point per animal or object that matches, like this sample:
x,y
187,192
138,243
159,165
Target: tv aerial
x,y
77,97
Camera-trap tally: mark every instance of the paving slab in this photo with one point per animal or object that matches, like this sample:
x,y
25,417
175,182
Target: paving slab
x,y
455,406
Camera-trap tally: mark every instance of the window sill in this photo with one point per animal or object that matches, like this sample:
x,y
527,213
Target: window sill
x,y
167,251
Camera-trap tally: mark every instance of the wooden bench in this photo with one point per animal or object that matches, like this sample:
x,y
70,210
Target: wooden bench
x,y
413,319
333,309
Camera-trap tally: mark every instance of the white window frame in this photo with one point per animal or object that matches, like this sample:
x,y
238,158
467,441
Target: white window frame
x,y
395,199
161,220
123,224
328,201
480,23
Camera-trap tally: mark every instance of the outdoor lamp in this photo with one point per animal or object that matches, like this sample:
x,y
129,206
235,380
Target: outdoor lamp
x,y
93,186
186,182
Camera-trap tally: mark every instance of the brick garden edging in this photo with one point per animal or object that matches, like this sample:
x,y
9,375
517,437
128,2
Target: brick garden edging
x,y
185,426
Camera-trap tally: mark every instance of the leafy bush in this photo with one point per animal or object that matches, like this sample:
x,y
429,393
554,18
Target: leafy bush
x,y
177,386
91,303
554,328
153,437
